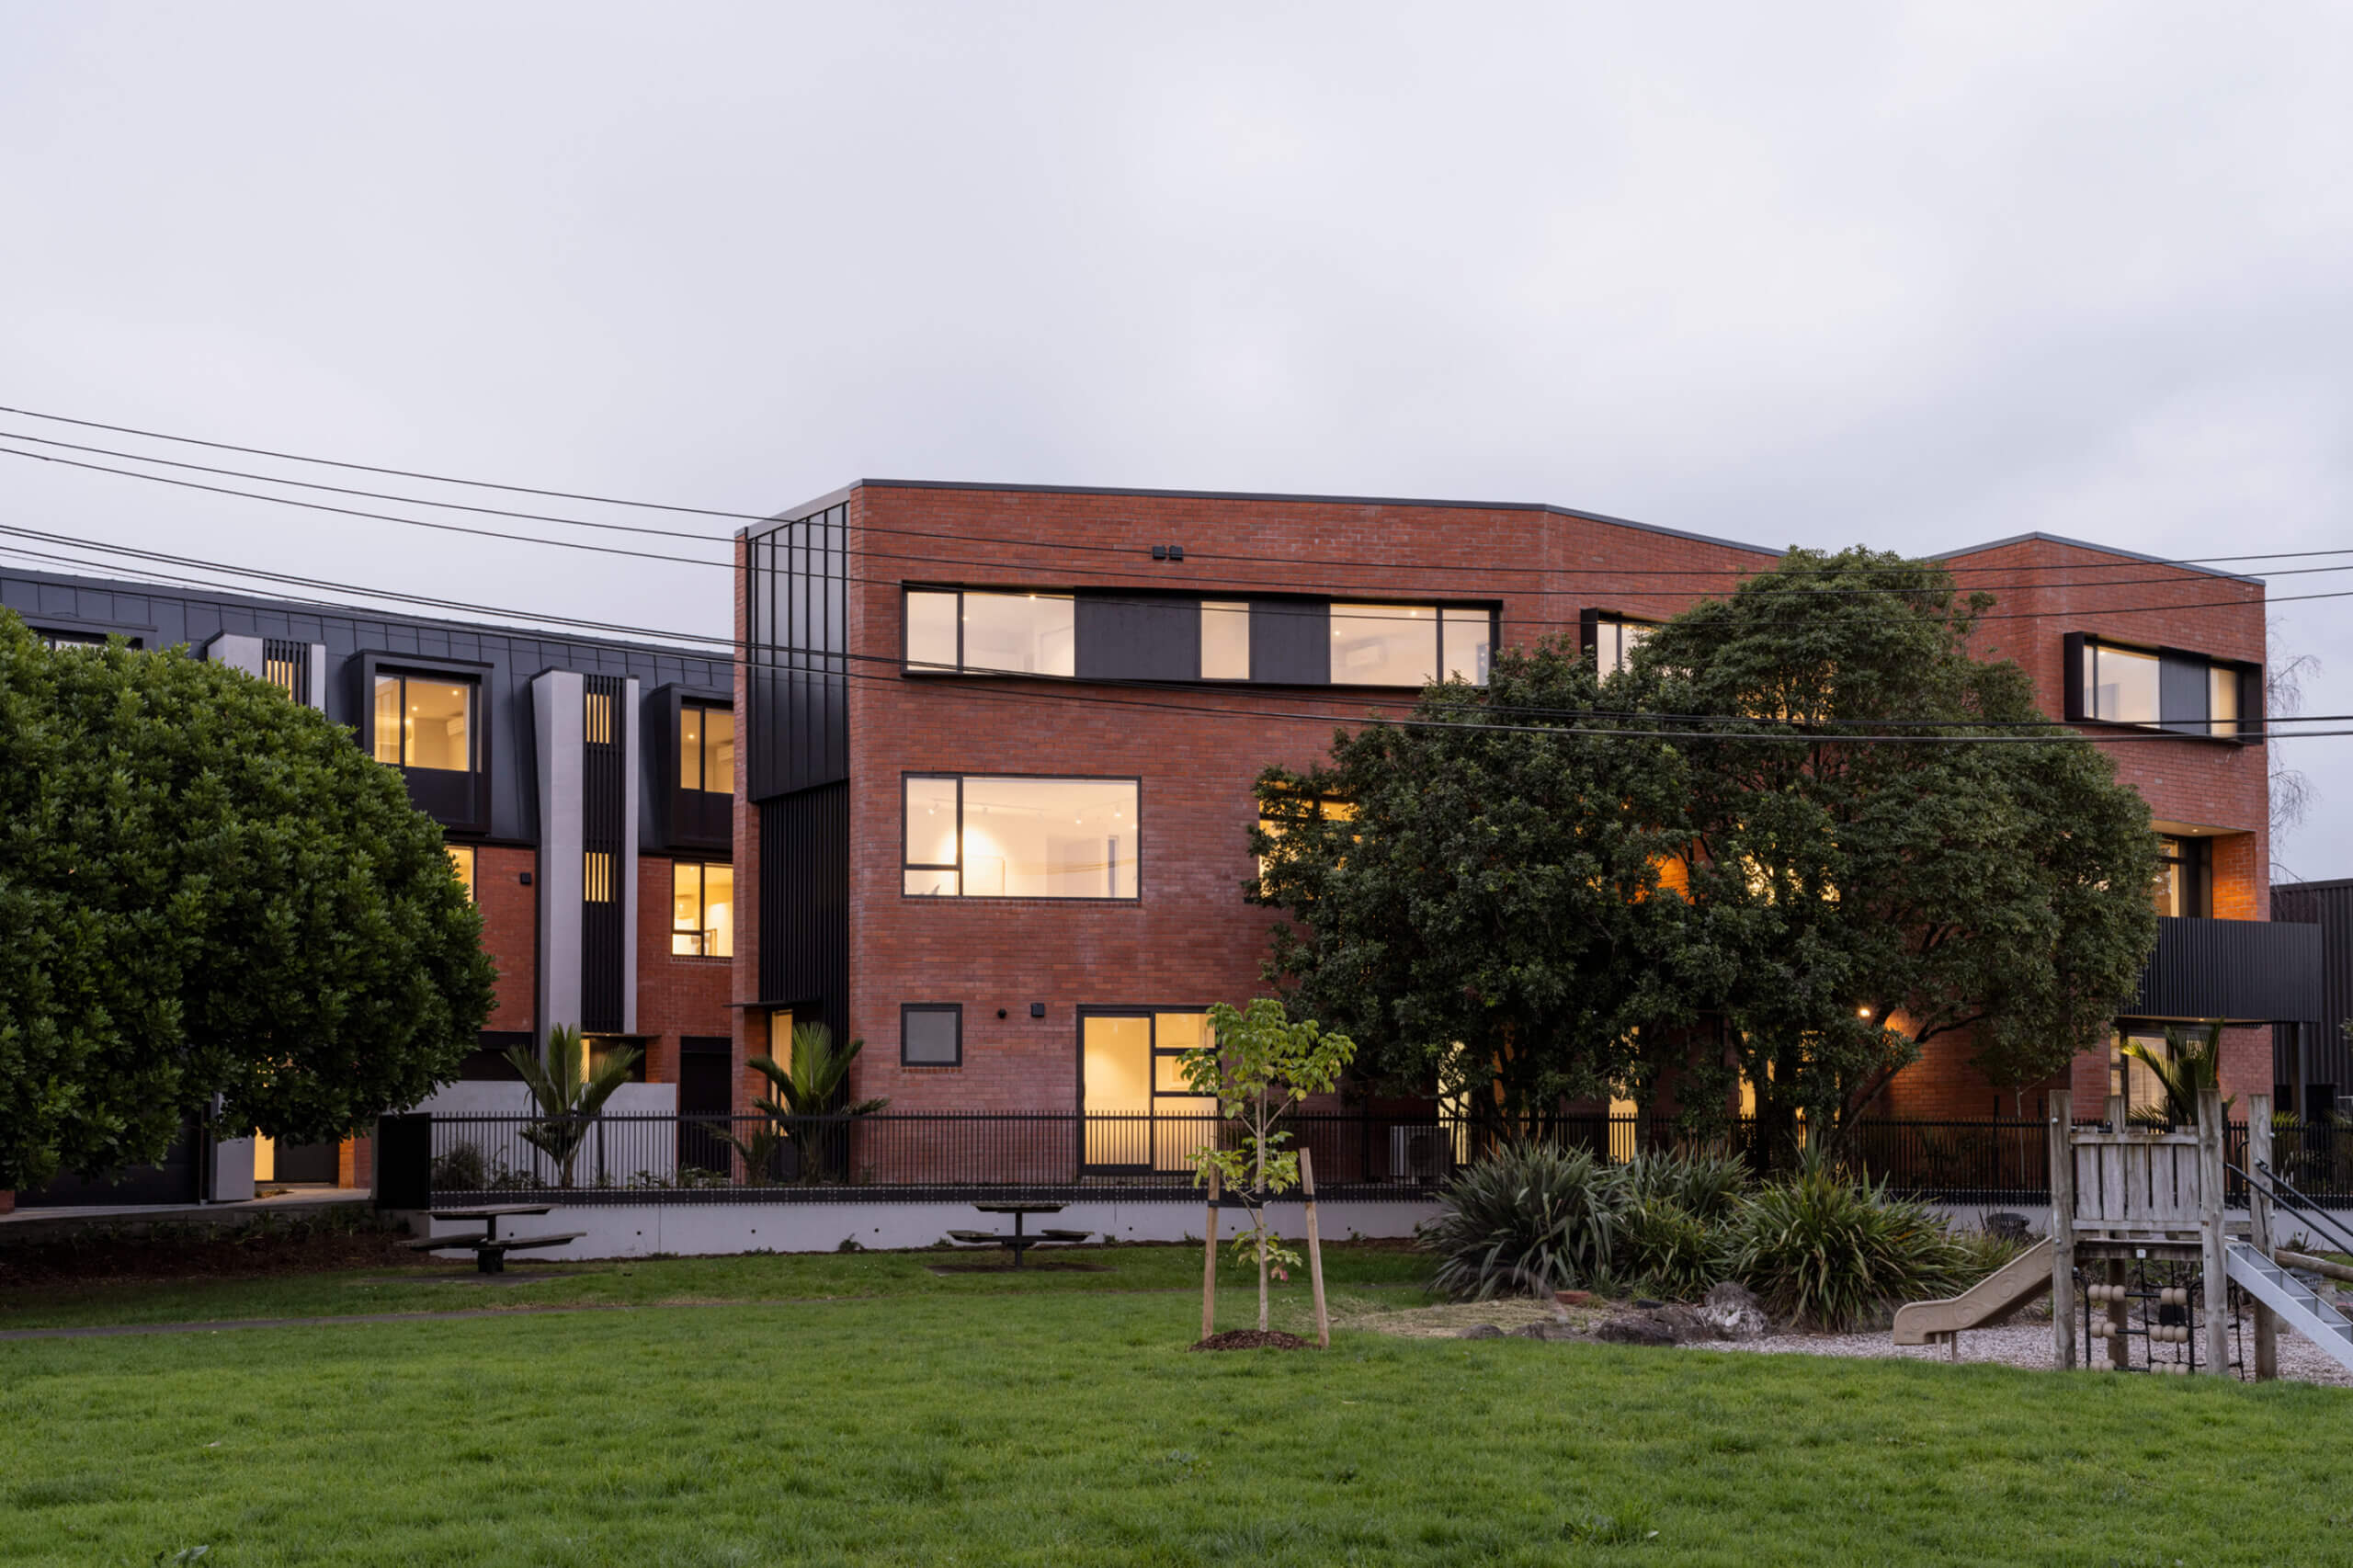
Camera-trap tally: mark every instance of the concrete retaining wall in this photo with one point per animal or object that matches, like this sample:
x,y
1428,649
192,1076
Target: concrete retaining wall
x,y
700,1230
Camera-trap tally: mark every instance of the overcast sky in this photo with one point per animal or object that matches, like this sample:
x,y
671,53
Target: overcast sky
x,y
1913,277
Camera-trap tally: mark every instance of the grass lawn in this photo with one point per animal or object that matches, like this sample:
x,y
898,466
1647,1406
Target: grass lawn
x,y
1057,1419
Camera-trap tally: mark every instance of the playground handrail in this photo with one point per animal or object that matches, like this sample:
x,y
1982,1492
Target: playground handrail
x,y
2273,1184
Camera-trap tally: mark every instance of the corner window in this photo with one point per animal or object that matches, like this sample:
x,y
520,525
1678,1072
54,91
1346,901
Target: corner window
x,y
977,836
2120,684
2185,876
424,721
461,860
931,1034
1614,643
707,748
982,633
1467,643
2222,701
1226,640
702,910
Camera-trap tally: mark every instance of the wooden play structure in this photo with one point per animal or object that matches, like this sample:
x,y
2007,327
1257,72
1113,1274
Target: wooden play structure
x,y
2143,1256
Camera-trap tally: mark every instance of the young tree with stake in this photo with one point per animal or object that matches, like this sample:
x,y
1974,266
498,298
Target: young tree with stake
x,y
1259,1064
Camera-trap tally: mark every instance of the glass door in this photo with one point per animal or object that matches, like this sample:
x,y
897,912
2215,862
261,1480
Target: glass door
x,y
1139,1114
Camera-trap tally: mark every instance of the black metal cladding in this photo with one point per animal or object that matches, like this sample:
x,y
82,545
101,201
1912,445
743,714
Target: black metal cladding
x,y
1290,641
287,665
1136,639
2245,971
603,958
804,904
796,625
2317,1051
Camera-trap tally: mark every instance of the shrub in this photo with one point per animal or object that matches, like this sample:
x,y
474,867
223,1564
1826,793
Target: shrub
x,y
1705,1183
458,1170
1533,1218
1822,1249
1982,1252
1673,1252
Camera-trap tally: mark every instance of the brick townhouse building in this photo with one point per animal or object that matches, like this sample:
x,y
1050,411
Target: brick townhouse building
x,y
585,788
1022,892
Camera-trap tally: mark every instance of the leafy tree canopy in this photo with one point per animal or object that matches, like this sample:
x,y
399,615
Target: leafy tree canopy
x,y
1564,904
207,890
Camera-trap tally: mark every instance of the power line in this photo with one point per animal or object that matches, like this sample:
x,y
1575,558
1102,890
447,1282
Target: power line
x,y
1288,562
1041,691
1191,587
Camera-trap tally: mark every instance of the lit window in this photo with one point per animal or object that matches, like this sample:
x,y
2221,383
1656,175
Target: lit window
x,y
1225,641
1328,808
1384,645
1614,643
992,633
931,1034
702,910
287,665
707,748
461,860
597,883
2185,876
2120,684
1467,645
424,723
989,837
931,631
2222,700
596,720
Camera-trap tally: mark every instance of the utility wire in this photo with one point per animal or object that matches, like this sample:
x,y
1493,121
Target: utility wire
x,y
1040,687
1191,587
1290,562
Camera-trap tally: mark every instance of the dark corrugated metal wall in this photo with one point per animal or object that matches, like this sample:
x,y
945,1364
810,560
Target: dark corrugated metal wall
x,y
804,902
2245,970
797,626
603,961
2322,1055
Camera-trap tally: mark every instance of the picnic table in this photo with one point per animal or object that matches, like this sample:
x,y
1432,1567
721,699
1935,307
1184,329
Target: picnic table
x,y
1019,1242
490,1248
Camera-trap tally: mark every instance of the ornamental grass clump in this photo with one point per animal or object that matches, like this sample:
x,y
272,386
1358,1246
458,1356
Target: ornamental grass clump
x,y
1530,1219
1704,1183
1668,1250
1823,1250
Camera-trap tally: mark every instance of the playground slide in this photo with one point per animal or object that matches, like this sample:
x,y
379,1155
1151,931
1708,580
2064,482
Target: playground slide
x,y
2005,1290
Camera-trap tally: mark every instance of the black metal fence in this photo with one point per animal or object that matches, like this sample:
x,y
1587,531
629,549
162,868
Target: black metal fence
x,y
920,1157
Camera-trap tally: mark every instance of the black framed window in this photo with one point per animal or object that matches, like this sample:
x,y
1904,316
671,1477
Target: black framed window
x,y
978,632
424,721
461,860
707,748
2185,880
931,1034
976,836
703,909
2188,693
1614,642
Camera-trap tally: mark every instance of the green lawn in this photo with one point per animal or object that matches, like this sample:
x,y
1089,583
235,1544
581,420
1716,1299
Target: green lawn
x,y
1057,1419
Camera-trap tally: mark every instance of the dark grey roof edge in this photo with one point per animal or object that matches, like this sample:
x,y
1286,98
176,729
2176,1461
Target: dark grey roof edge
x,y
795,514
2102,549
2313,887
723,655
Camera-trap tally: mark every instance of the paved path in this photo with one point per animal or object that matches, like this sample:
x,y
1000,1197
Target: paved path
x,y
95,1331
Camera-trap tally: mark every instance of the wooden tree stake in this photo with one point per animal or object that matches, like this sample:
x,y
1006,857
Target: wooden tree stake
x,y
2258,1157
1314,1250
1208,1261
2209,1231
2062,1228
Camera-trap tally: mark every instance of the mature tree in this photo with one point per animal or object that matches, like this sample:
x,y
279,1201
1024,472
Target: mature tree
x,y
206,891
1754,846
1476,898
1905,850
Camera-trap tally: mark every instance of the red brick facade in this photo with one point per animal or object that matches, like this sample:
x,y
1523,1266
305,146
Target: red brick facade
x,y
1189,938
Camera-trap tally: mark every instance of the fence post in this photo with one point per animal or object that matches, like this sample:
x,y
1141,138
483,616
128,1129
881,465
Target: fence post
x,y
2258,1206
2060,1127
2209,1231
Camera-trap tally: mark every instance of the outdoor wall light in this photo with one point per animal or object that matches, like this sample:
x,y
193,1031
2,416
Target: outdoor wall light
x,y
1000,1012
1036,1009
1862,1012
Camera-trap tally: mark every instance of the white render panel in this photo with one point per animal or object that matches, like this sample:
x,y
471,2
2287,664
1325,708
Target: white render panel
x,y
558,698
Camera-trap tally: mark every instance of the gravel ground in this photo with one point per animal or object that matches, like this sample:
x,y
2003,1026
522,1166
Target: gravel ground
x,y
2019,1345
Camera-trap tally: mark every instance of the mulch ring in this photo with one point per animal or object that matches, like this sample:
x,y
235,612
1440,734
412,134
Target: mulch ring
x,y
1251,1339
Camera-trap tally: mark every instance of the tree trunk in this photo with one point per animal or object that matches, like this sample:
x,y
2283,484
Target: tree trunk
x,y
1261,1185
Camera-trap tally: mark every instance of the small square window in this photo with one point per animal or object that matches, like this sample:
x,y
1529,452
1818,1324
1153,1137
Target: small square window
x,y
931,1034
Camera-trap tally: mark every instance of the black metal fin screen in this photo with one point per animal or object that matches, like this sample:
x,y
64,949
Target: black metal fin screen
x,y
287,665
603,797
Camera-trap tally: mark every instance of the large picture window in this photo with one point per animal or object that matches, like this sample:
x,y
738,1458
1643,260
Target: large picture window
x,y
706,748
1410,644
424,721
702,910
980,632
980,836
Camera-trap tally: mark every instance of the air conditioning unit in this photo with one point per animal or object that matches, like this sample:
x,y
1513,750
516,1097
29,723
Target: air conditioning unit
x,y
1419,1155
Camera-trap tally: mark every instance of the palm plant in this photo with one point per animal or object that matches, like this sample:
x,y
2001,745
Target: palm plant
x,y
2192,1062
569,1096
801,1102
